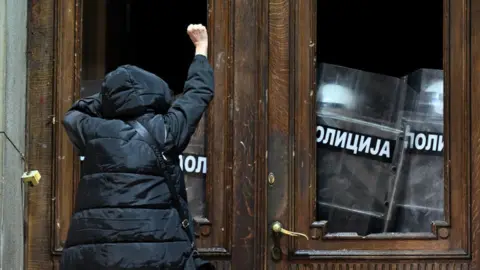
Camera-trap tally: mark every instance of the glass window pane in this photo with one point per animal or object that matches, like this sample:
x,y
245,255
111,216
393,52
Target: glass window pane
x,y
379,116
152,35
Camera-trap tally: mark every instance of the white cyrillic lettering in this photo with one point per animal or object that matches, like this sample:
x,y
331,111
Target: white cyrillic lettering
x,y
440,143
340,139
190,164
377,148
352,146
180,157
201,165
330,134
432,140
320,133
364,144
423,138
385,151
409,140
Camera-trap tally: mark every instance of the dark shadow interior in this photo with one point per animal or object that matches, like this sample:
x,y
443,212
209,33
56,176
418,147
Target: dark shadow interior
x,y
391,38
152,35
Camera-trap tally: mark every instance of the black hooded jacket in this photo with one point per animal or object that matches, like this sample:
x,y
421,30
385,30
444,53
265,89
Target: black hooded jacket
x,y
124,217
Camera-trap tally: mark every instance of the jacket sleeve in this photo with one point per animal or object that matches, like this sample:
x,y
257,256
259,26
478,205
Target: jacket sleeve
x,y
186,111
79,117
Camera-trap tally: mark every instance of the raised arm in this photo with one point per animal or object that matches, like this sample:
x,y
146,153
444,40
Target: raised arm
x,y
185,113
78,117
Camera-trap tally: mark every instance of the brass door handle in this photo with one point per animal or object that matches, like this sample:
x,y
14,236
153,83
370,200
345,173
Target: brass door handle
x,y
277,227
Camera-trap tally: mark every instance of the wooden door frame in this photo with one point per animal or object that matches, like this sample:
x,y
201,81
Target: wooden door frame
x,y
292,83
255,54
54,60
66,89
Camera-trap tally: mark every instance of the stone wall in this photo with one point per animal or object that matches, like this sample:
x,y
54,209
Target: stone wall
x,y
13,68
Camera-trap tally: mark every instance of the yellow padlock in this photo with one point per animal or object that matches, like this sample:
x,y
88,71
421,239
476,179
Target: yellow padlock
x,y
32,177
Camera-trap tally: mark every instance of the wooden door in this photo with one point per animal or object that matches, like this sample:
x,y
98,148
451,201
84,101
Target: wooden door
x,y
70,49
356,210
260,137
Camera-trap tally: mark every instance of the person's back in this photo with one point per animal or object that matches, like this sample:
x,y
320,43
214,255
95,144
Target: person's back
x,y
126,215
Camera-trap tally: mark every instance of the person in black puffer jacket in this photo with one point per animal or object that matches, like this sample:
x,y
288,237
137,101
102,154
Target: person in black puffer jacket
x,y
126,214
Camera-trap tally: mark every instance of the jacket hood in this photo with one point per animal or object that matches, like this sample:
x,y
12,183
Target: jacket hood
x,y
129,92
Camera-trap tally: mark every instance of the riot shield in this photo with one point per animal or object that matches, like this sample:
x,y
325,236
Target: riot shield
x,y
421,198
361,95
360,146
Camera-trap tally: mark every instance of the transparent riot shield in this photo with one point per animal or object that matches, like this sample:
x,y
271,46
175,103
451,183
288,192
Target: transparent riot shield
x,y
360,146
361,95
421,198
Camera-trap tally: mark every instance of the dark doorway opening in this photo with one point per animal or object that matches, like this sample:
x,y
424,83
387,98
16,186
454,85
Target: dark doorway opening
x,y
150,34
390,38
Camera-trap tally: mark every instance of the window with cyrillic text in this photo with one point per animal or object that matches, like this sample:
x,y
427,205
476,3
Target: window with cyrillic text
x,y
379,117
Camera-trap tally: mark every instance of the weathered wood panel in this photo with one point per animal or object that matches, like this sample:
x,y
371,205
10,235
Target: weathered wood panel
x,y
41,43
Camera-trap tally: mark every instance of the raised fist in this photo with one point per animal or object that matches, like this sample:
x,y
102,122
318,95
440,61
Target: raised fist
x,y
198,34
